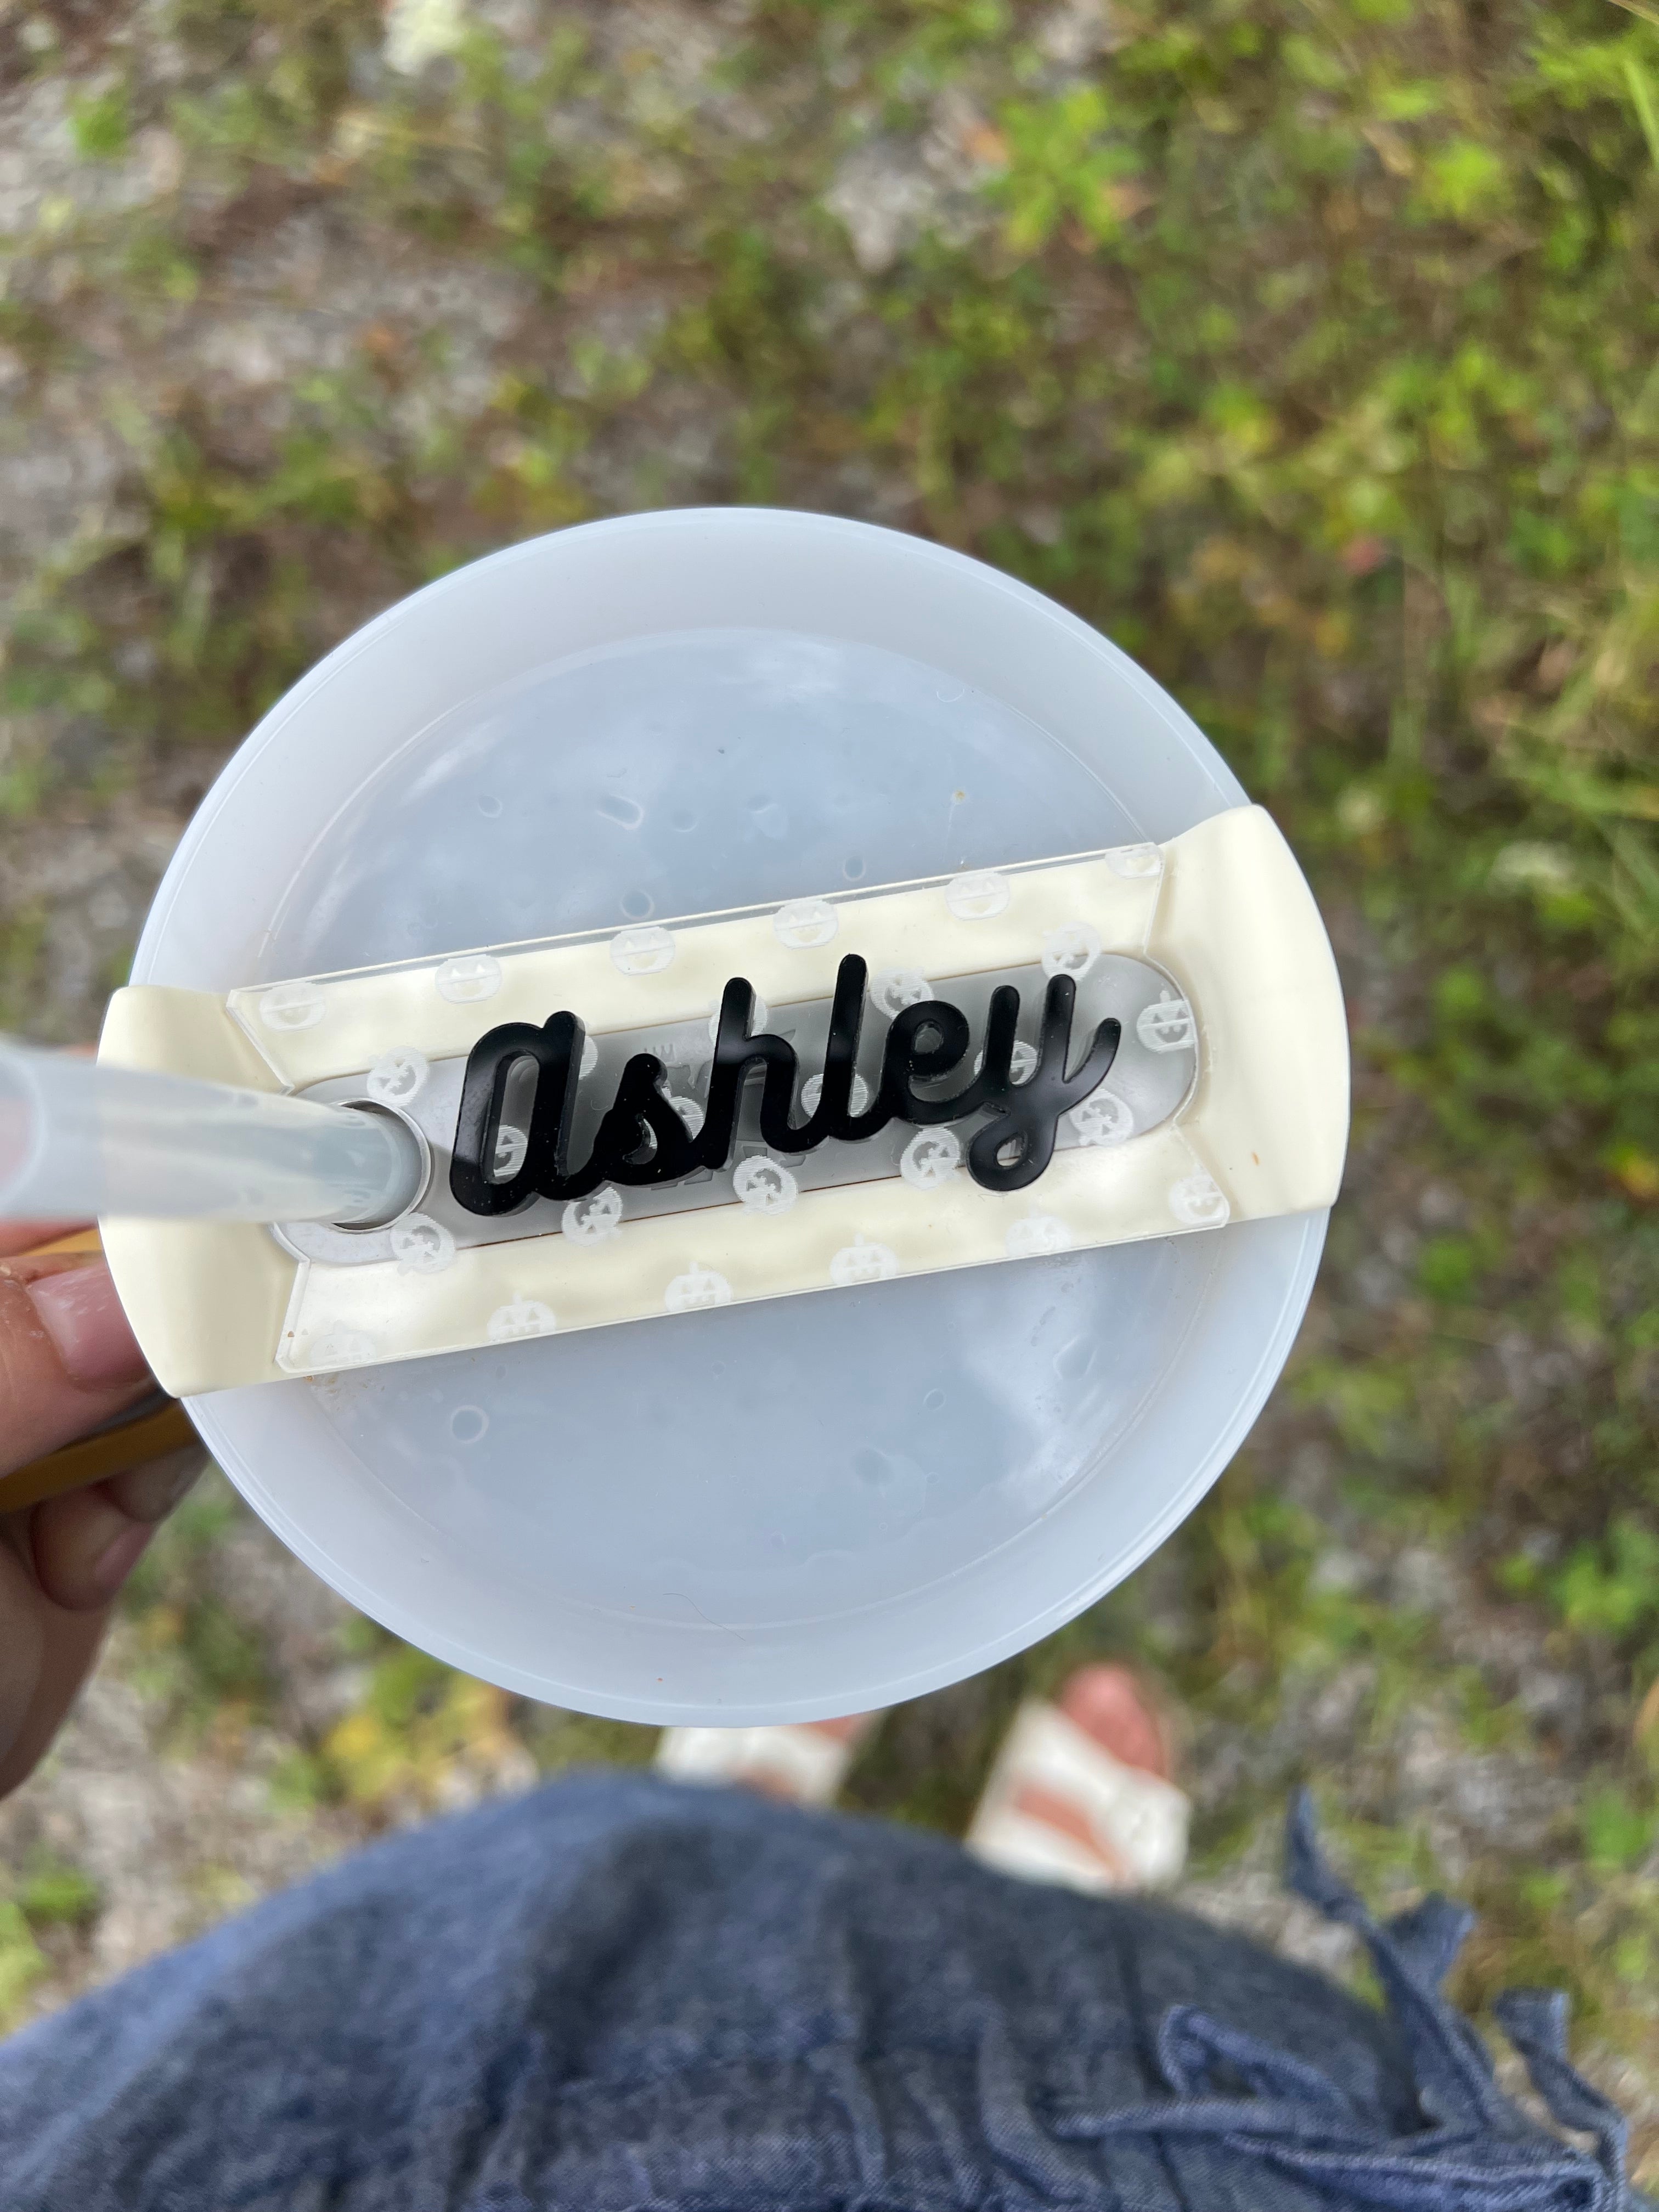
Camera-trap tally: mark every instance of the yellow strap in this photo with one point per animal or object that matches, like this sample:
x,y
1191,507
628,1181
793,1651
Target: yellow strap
x,y
150,1435
111,1451
78,1240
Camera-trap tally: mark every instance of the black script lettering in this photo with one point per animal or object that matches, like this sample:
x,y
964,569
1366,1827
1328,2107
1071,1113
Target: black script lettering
x,y
833,1115
1018,1143
556,1050
735,1052
641,1138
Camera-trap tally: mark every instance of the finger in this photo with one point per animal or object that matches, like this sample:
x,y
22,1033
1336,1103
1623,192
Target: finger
x,y
68,1359
149,1494
84,1544
24,1648
85,1548
67,1643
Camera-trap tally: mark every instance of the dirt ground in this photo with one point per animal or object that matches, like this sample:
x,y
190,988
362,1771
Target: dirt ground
x,y
298,314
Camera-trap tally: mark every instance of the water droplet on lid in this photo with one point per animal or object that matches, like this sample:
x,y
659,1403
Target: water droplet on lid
x,y
488,805
636,905
681,819
467,1423
933,1400
628,812
853,867
1074,1360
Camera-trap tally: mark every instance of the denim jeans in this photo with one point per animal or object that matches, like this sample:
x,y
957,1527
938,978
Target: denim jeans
x,y
617,1993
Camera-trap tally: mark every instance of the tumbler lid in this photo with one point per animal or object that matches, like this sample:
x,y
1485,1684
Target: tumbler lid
x,y
790,1509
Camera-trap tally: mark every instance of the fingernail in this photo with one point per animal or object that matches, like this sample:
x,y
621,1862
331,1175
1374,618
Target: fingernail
x,y
118,1559
149,1494
80,1312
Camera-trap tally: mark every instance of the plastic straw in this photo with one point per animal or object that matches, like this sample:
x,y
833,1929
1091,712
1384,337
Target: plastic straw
x,y
79,1139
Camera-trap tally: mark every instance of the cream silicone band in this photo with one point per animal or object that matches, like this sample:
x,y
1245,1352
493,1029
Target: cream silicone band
x,y
1222,910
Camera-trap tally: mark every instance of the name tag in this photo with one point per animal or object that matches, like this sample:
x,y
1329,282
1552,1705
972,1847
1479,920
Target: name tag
x,y
819,1095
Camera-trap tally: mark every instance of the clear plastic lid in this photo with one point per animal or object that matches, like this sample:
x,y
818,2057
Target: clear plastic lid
x,y
791,1509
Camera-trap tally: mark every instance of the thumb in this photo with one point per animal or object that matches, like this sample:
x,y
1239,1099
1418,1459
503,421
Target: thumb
x,y
68,1359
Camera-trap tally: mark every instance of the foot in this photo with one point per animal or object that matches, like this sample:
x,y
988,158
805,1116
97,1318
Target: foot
x,y
1082,1791
802,1763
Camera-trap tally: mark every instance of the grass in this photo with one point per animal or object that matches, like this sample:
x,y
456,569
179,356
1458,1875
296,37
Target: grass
x,y
1308,348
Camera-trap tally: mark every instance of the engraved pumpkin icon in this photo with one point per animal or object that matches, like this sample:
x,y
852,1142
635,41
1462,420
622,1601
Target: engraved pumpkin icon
x,y
1103,1119
397,1075
641,951
895,988
812,1091
863,1261
697,1288
1071,949
291,1006
931,1158
468,978
977,898
421,1246
1036,1234
1167,1025
804,924
1022,1061
336,1345
521,1318
511,1147
589,1220
765,1186
1198,1201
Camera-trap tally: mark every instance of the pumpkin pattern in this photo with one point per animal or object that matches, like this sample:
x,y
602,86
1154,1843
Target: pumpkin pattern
x,y
1022,1061
291,1006
511,1146
1198,1201
468,978
1167,1025
977,898
335,1345
1071,950
805,924
931,1158
397,1075
863,1261
645,951
895,988
698,1289
589,1220
421,1246
812,1089
1035,1234
764,1185
1103,1119
521,1318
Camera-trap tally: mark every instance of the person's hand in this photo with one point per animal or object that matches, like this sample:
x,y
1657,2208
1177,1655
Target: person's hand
x,y
68,1363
